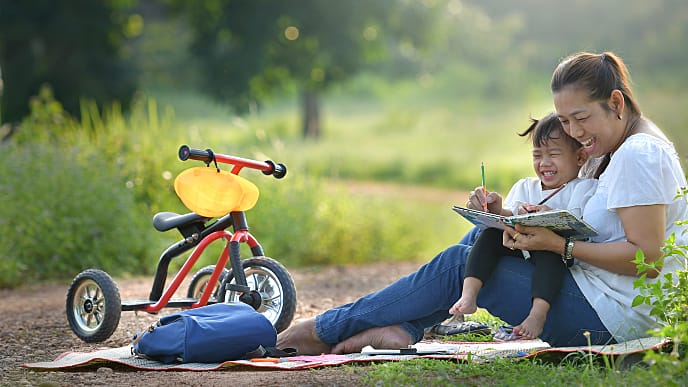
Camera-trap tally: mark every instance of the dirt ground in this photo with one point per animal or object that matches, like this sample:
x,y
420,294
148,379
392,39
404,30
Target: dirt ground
x,y
33,327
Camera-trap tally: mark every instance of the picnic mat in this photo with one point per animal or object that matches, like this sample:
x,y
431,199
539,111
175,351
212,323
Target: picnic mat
x,y
459,351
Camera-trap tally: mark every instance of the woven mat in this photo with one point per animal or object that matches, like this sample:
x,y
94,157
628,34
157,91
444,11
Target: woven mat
x,y
456,351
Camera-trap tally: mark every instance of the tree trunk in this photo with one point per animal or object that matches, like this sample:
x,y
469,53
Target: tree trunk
x,y
311,114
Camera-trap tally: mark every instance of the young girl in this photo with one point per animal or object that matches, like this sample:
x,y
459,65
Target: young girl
x,y
557,159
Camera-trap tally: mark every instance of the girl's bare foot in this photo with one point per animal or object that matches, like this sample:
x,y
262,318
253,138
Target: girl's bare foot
x,y
390,337
304,338
532,326
465,305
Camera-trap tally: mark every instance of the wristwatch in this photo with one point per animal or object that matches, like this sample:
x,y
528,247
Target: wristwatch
x,y
568,250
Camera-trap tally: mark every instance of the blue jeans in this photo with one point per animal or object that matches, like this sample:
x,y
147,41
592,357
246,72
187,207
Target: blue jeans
x,y
423,298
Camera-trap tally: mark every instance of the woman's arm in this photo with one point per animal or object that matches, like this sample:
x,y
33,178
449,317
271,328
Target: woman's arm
x,y
644,229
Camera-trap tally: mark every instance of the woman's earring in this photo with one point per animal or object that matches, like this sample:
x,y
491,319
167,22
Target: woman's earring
x,y
618,116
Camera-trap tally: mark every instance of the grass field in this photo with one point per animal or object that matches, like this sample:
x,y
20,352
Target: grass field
x,y
412,139
407,138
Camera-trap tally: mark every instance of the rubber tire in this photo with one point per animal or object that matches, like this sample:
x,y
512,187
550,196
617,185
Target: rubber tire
x,y
93,306
200,280
286,298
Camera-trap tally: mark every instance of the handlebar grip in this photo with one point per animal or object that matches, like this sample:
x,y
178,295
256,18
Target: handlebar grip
x,y
277,170
186,153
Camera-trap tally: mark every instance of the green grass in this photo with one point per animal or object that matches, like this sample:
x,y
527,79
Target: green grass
x,y
515,372
577,368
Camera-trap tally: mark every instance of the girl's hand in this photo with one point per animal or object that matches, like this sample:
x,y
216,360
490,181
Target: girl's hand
x,y
530,208
532,238
477,198
523,208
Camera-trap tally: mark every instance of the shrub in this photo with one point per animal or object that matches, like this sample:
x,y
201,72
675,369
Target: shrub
x,y
668,299
62,212
303,221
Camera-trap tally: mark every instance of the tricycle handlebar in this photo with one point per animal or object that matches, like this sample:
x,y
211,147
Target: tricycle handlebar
x,y
208,156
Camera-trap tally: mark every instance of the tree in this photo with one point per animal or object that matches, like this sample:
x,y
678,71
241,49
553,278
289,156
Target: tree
x,y
75,46
250,49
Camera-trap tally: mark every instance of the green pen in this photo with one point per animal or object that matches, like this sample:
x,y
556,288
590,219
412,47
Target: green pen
x,y
482,172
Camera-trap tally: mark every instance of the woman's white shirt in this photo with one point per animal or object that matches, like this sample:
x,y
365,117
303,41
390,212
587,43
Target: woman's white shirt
x,y
645,170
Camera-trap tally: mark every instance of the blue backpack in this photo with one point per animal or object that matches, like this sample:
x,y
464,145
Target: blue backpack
x,y
208,334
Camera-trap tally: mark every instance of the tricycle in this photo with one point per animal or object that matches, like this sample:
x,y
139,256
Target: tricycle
x,y
218,201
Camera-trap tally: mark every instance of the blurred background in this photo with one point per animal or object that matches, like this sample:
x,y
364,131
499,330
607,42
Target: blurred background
x,y
382,110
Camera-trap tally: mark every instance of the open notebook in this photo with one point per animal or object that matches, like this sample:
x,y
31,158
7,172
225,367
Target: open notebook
x,y
563,222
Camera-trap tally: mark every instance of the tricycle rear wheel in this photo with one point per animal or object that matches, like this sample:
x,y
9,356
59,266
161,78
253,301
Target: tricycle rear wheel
x,y
200,280
93,306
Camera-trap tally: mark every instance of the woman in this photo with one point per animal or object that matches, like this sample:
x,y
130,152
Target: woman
x,y
632,208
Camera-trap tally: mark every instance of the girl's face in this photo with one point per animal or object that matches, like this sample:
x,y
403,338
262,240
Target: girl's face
x,y
557,162
588,122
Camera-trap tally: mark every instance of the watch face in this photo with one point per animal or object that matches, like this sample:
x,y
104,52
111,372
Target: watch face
x,y
568,250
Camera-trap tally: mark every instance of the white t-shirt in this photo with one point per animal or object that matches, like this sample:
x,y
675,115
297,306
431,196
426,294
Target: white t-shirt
x,y
529,190
572,197
645,170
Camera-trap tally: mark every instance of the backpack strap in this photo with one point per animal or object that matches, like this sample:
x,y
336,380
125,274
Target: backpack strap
x,y
271,352
138,336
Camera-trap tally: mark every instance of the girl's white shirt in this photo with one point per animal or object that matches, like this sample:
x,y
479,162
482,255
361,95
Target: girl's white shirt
x,y
529,191
572,197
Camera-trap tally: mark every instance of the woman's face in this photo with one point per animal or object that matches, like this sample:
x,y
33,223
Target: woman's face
x,y
557,162
588,122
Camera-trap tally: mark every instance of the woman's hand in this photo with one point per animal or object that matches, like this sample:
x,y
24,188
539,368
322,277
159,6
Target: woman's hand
x,y
532,238
477,198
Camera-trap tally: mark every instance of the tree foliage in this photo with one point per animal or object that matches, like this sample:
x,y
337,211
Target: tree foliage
x,y
250,49
247,50
649,35
76,46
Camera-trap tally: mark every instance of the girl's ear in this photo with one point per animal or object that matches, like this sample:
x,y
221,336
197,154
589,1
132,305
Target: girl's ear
x,y
581,157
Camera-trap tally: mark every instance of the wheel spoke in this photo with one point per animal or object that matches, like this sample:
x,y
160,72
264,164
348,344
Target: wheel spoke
x,y
260,281
269,311
272,298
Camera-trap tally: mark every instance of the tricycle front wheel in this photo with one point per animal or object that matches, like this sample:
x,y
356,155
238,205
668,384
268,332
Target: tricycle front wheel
x,y
93,306
271,280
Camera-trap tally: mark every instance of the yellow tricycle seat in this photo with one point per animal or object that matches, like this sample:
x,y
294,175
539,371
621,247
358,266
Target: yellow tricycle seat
x,y
212,193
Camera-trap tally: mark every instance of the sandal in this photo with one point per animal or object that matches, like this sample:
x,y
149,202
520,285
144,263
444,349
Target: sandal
x,y
464,327
506,333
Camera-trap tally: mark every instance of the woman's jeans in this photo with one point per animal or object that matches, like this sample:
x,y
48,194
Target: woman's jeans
x,y
423,298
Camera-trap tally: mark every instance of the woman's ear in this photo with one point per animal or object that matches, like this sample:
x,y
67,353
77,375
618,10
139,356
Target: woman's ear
x,y
617,102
